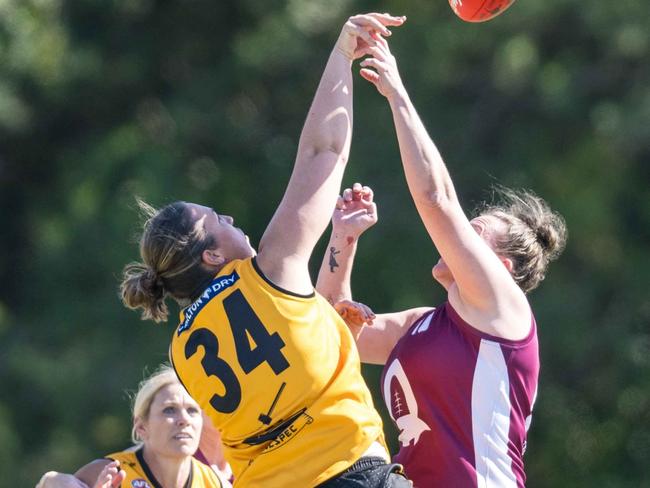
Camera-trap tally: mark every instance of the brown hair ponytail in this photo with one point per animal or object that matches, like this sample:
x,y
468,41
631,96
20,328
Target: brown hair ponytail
x,y
171,247
141,288
535,235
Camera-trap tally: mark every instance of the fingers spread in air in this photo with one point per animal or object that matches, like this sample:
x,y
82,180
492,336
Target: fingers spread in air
x,y
370,75
362,192
111,476
369,23
368,314
388,19
376,51
354,313
374,63
382,43
340,204
357,191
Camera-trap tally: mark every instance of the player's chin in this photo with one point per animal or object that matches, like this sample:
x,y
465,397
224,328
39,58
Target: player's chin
x,y
249,249
186,447
442,274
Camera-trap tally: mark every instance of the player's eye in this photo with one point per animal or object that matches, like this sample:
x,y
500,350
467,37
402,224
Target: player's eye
x,y
169,410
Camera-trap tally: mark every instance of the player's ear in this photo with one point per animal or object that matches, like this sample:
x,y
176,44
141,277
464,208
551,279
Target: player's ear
x,y
213,257
140,429
507,262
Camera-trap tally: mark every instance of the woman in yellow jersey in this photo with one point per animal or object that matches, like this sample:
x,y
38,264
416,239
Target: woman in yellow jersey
x,y
167,426
268,359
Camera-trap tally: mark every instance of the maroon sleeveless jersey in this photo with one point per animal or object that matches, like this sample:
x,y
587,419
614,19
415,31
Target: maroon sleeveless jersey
x,y
462,401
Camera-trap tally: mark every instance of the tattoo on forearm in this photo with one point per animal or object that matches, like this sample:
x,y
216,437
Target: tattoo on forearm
x,y
333,264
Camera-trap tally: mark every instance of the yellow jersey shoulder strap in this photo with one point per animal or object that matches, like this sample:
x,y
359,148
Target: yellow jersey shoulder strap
x,y
139,475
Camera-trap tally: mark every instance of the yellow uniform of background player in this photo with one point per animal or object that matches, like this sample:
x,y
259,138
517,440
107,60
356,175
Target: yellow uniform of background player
x,y
279,375
138,474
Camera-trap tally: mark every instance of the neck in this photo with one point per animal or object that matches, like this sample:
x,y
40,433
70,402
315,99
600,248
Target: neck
x,y
205,281
171,472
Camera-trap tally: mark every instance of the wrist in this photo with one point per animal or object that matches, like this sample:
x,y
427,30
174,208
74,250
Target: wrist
x,y
344,238
340,51
397,96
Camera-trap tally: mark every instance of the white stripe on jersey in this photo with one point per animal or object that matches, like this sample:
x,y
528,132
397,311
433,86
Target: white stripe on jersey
x,y
491,418
424,326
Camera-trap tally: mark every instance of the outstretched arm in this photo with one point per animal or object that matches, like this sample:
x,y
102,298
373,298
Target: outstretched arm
x,y
376,335
483,292
323,150
355,212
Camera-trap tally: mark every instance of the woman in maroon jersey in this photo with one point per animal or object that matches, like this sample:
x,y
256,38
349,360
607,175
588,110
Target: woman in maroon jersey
x,y
459,380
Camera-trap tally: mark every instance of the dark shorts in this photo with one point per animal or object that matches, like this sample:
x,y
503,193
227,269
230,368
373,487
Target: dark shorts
x,y
369,472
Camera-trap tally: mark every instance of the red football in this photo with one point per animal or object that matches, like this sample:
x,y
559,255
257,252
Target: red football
x,y
479,10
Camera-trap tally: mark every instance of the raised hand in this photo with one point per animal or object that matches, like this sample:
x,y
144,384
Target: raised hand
x,y
52,479
361,32
111,476
355,315
355,211
384,73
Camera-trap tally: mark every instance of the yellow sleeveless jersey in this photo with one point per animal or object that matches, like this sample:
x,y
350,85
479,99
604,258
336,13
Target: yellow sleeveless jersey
x,y
138,474
279,375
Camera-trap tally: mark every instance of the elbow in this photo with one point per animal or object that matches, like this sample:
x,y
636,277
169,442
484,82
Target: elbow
x,y
338,151
325,152
335,142
331,135
438,200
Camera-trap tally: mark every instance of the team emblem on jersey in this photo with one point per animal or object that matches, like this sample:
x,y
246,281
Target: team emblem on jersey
x,y
403,406
219,284
140,483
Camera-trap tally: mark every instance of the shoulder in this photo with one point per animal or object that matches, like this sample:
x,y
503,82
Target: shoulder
x,y
405,319
276,286
515,328
128,455
204,476
286,272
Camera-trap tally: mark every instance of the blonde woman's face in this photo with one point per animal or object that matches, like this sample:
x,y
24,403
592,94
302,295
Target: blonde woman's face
x,y
173,427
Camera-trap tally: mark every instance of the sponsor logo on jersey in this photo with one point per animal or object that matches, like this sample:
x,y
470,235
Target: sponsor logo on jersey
x,y
217,286
291,431
140,483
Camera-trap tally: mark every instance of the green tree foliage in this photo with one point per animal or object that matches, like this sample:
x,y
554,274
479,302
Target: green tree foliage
x,y
204,100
